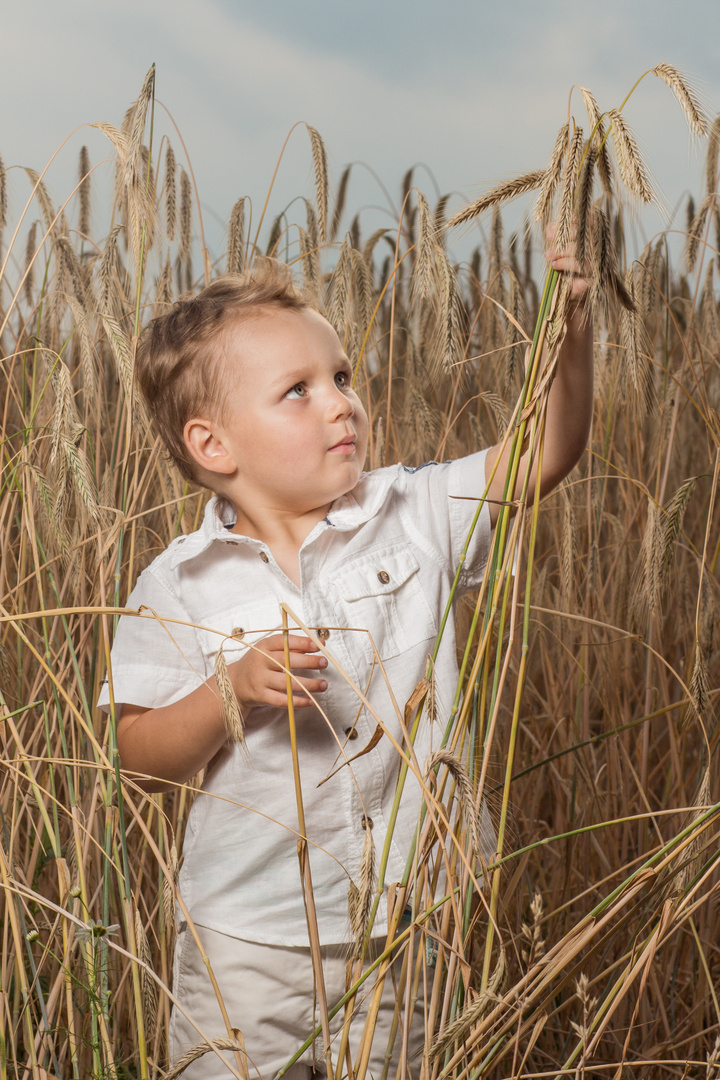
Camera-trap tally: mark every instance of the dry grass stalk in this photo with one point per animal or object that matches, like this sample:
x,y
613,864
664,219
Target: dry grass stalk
x,y
692,244
648,595
84,191
165,295
568,550
234,722
463,788
321,180
340,201
551,178
686,98
185,216
425,250
511,189
44,201
599,141
339,288
82,334
584,204
169,885
147,983
459,1031
566,214
30,252
711,160
635,370
309,245
446,342
236,238
136,128
360,897
630,163
108,271
533,948
200,1050
3,196
170,193
362,290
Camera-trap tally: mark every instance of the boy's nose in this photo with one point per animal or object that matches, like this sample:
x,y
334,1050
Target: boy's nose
x,y
341,405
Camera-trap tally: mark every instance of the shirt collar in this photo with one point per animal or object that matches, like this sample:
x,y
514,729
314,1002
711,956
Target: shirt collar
x,y
346,513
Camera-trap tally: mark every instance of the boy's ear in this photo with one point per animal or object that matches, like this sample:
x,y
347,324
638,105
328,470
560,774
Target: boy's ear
x,y
204,440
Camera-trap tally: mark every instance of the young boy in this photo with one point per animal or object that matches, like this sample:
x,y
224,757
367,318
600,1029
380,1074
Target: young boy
x,y
251,392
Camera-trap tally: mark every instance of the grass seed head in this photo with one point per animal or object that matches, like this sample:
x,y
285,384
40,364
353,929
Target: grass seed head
x,y
551,177
236,238
630,163
340,201
234,721
686,98
711,160
148,991
321,180
3,195
84,191
185,215
170,193
502,193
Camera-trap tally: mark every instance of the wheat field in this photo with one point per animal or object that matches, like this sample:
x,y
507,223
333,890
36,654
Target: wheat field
x,y
587,714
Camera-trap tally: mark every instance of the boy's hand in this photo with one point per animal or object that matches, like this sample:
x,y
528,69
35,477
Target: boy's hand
x,y
564,260
260,679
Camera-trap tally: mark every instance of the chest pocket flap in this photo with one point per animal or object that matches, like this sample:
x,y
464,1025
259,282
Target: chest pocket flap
x,y
384,595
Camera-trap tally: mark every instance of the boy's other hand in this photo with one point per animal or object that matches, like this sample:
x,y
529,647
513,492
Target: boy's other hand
x,y
564,261
259,678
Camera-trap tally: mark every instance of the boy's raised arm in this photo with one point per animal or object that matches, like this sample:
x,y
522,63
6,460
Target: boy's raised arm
x,y
569,408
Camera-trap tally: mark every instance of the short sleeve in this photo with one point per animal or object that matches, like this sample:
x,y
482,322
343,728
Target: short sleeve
x,y
156,657
444,503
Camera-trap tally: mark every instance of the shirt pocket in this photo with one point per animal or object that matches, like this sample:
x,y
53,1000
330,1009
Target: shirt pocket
x,y
384,595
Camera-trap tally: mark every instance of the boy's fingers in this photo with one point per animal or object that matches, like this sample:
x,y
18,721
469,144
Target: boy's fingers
x,y
296,643
277,681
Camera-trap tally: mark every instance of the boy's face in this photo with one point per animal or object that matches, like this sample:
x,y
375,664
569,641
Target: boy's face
x,y
295,430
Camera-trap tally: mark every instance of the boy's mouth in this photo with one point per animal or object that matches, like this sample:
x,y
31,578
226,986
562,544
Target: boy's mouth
x,y
345,446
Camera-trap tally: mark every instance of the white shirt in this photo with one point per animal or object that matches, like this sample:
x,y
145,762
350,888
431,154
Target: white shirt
x,y
383,561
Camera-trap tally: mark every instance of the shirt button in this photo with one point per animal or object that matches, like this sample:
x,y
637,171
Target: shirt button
x,y
367,822
264,556
384,577
238,632
351,732
323,634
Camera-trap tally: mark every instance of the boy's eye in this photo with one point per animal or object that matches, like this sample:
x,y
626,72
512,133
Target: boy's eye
x,y
342,379
297,391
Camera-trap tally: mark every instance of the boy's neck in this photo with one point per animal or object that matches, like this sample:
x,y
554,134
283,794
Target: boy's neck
x,y
282,532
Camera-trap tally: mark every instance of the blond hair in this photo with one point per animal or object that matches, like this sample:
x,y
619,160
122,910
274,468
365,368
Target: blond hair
x,y
178,361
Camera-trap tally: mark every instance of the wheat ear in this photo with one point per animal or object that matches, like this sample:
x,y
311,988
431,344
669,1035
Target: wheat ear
x,y
500,194
630,163
551,178
685,97
234,723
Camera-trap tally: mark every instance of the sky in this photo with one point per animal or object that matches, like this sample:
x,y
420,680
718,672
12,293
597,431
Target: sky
x,y
473,92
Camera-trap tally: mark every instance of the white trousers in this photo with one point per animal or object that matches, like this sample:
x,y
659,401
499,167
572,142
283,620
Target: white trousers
x,y
268,994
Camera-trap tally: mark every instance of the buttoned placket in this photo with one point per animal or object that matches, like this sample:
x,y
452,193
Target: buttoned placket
x,y
362,781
